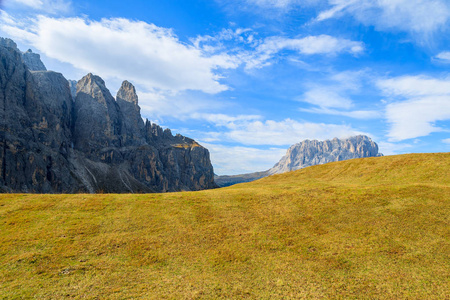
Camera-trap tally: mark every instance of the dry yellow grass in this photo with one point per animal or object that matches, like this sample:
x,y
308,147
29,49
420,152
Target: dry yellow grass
x,y
374,228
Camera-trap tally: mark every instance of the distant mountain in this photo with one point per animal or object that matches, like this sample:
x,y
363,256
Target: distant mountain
x,y
309,153
58,136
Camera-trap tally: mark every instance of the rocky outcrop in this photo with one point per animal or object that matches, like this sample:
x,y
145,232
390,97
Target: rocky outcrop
x,y
133,124
55,140
98,120
33,61
310,153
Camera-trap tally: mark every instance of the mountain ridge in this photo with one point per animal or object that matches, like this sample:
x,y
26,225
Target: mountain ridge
x,y
58,136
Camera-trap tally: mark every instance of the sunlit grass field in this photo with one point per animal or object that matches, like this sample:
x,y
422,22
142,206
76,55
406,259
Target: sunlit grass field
x,y
374,228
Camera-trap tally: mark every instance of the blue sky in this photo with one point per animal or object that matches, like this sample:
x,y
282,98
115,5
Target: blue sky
x,y
249,78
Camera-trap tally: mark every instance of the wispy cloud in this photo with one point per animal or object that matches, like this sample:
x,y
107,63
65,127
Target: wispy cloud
x,y
246,48
356,114
417,103
415,16
309,45
443,57
333,97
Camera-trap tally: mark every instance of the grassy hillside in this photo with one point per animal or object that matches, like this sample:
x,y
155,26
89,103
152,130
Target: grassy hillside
x,y
374,228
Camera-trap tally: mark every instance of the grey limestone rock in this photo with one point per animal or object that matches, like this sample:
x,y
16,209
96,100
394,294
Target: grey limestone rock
x,y
33,61
98,122
8,43
127,100
34,128
310,153
53,142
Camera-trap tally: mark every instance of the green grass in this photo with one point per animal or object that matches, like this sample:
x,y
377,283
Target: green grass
x,y
375,228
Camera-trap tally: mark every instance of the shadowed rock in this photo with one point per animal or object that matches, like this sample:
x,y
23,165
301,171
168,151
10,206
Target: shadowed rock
x,y
54,139
33,61
98,121
127,100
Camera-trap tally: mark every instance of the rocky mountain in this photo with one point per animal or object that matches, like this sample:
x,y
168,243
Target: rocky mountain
x,y
58,136
309,153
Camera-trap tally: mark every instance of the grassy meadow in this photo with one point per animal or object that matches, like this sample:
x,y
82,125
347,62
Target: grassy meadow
x,y
374,228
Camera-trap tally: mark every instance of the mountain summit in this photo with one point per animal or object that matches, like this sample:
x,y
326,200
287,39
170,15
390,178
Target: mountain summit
x,y
310,153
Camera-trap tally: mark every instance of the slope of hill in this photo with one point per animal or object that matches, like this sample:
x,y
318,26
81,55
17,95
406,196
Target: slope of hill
x,y
372,228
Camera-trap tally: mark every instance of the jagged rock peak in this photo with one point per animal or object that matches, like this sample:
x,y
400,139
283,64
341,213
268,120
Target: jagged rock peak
x,y
8,43
33,61
90,79
92,85
308,153
127,92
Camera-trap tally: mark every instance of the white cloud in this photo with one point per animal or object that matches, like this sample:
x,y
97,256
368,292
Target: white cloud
x,y
446,141
322,44
244,47
416,117
326,98
356,114
118,48
425,101
413,86
333,97
14,28
416,16
6,19
443,56
232,160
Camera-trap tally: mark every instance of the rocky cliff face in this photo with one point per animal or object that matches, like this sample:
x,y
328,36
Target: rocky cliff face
x,y
33,61
309,153
56,139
